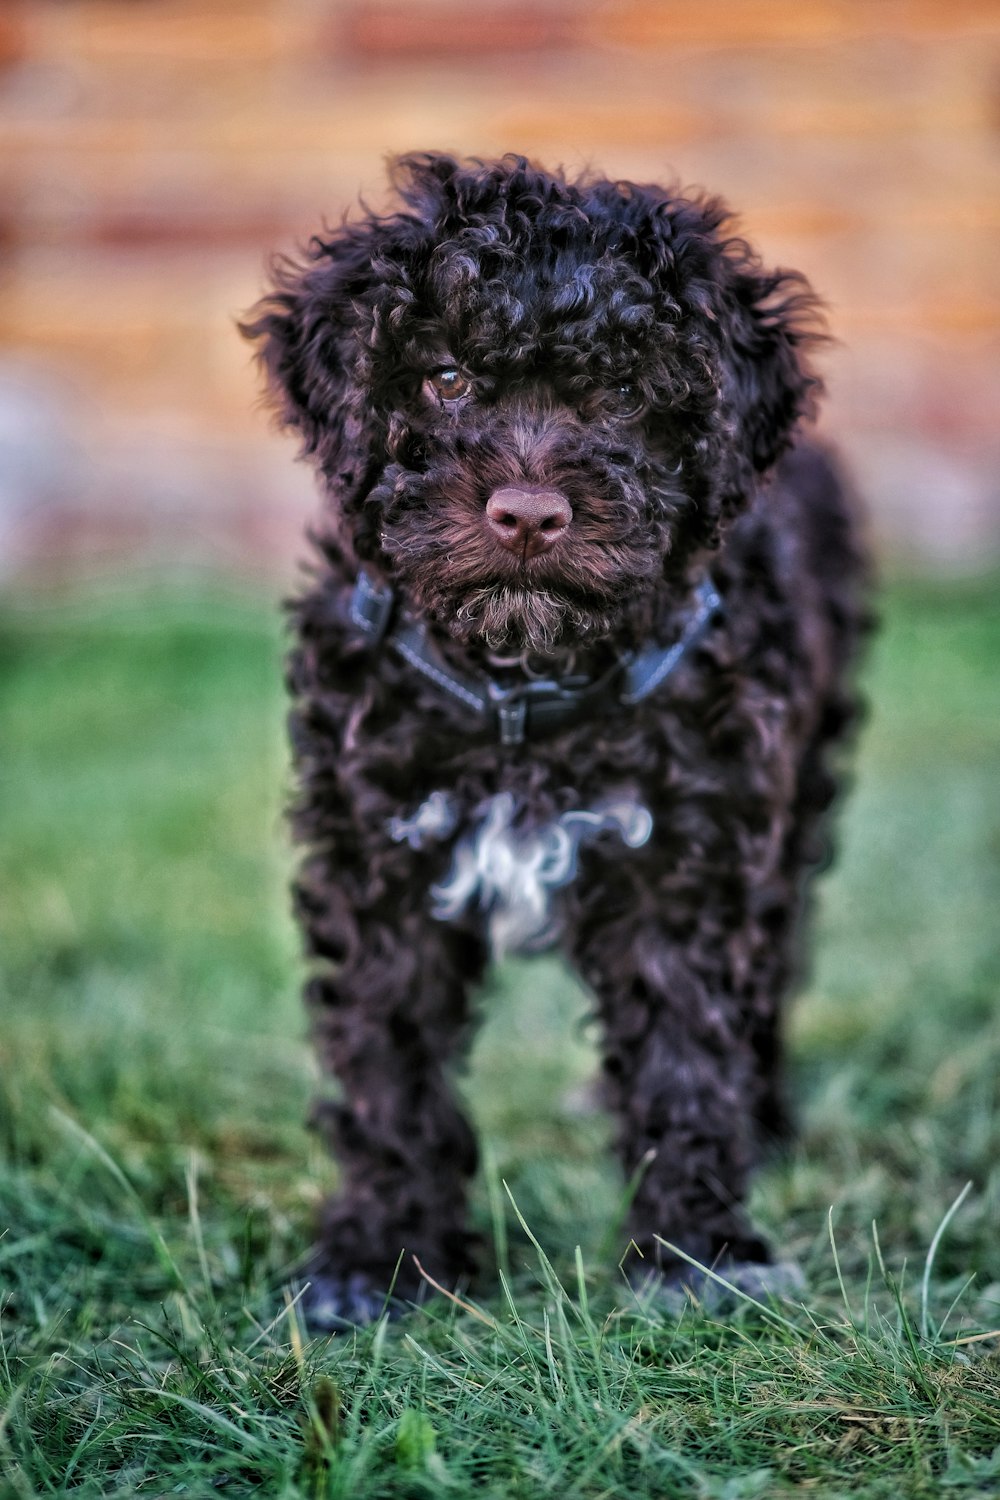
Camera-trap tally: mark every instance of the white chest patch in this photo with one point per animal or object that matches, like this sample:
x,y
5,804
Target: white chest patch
x,y
509,874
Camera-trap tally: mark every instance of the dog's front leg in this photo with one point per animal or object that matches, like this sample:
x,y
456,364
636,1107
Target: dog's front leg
x,y
386,1022
680,1081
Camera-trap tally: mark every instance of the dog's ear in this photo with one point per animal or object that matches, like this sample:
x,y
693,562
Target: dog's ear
x,y
768,320
755,326
308,348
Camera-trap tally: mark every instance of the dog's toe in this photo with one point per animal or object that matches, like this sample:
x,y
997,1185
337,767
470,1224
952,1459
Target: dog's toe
x,y
332,1304
777,1281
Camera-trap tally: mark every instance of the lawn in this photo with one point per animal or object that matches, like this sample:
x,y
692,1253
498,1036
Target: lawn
x,y
157,1183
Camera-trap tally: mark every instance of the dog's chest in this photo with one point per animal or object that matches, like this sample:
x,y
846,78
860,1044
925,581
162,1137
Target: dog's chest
x,y
508,870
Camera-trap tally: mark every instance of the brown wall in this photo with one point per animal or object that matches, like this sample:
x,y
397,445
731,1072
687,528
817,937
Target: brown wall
x,y
151,151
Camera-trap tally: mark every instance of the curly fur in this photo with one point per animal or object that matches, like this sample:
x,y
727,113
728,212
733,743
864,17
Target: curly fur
x,y
550,295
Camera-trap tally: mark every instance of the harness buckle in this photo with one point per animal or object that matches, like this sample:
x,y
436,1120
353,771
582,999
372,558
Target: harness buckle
x,y
512,715
512,706
371,607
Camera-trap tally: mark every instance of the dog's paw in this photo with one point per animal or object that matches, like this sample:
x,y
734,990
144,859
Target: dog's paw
x,y
684,1285
333,1304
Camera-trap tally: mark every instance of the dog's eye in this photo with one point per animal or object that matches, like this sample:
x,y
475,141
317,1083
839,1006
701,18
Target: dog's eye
x,y
449,384
624,400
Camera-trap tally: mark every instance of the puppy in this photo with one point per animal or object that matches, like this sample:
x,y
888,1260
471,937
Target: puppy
x,y
572,665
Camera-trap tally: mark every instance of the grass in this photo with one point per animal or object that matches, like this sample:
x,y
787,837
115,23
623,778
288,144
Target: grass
x,y
156,1183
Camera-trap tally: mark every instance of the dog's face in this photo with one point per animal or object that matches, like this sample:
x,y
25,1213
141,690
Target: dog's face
x,y
533,402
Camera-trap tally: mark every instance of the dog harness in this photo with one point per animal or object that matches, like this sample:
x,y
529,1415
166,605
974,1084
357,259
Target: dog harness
x,y
535,706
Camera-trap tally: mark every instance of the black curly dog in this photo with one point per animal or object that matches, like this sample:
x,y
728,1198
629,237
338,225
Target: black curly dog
x,y
572,663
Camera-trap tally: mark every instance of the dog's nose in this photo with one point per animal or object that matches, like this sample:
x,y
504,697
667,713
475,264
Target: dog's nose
x,y
527,520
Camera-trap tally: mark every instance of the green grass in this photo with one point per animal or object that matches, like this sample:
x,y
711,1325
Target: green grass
x,y
156,1182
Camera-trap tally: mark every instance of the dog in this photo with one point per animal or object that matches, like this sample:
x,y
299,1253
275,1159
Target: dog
x,y
573,664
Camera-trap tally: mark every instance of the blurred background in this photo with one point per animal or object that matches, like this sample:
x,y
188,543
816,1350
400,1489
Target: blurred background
x,y
153,151
153,1063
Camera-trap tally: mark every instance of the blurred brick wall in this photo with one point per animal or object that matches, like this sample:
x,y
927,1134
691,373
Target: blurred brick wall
x,y
152,151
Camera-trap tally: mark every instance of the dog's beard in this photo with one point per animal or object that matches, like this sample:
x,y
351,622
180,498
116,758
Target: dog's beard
x,y
504,616
524,608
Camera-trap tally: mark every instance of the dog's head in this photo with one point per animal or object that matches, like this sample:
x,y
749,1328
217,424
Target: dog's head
x,y
534,402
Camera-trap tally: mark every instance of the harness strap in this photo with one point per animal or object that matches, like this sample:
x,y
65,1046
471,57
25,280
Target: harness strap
x,y
652,665
534,706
